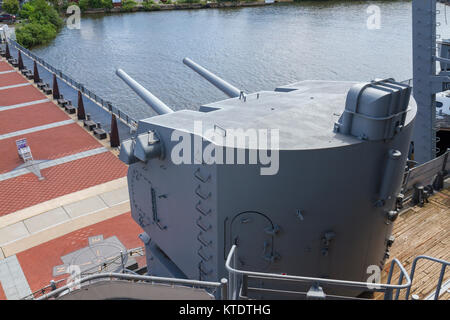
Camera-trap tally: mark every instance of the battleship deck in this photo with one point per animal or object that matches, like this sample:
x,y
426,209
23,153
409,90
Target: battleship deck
x,y
84,197
83,193
423,231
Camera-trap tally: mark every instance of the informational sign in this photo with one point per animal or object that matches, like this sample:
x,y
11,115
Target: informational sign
x,y
21,143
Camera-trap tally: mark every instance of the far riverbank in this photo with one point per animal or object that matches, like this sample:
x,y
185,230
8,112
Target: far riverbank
x,y
253,48
184,6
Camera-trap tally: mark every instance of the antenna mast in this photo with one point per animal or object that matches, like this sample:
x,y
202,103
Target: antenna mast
x,y
426,83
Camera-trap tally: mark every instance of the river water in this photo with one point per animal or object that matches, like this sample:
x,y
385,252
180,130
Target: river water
x,y
255,48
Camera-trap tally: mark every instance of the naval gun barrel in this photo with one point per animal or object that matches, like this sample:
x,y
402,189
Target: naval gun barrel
x,y
219,83
156,104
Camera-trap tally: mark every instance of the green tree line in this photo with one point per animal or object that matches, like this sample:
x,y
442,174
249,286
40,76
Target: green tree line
x,y
41,20
40,23
11,6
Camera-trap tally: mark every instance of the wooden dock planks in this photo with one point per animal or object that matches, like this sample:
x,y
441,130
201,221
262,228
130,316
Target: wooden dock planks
x,y
422,231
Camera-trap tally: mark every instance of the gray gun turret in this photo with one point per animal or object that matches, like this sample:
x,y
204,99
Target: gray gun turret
x,y
321,203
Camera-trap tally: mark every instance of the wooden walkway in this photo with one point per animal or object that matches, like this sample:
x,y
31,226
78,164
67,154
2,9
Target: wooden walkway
x,y
423,231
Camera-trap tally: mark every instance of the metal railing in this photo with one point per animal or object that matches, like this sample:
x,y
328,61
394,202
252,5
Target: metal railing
x,y
236,288
106,105
222,285
441,275
56,288
239,287
140,251
407,81
425,174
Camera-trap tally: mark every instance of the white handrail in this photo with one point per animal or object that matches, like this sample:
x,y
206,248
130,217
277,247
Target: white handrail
x,y
123,276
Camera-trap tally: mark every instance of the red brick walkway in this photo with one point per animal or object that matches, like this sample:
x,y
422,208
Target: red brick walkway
x,y
9,79
30,116
2,293
12,96
26,190
37,263
4,66
48,144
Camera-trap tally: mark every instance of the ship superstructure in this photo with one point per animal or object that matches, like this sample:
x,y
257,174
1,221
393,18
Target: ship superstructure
x,y
353,156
